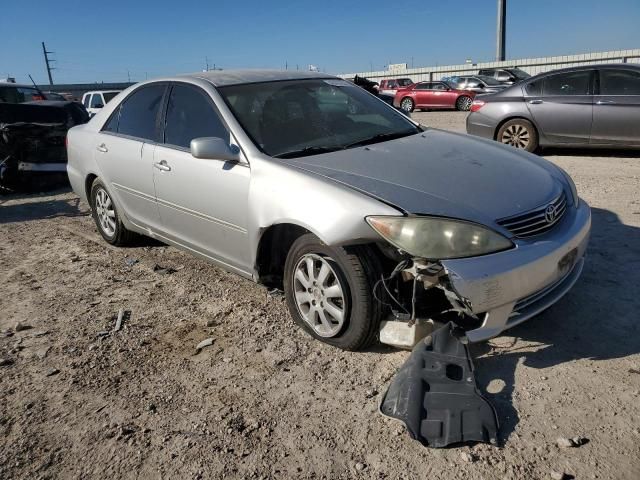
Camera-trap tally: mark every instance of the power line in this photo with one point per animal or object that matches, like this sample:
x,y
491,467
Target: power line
x,y
47,62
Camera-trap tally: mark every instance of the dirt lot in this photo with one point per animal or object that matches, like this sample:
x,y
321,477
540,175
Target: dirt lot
x,y
266,401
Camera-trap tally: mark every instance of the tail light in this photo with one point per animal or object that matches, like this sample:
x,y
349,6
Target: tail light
x,y
477,105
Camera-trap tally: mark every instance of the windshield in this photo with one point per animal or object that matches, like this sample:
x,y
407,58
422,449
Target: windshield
x,y
489,80
108,96
296,118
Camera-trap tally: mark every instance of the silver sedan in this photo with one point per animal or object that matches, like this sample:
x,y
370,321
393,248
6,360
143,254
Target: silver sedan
x,y
372,225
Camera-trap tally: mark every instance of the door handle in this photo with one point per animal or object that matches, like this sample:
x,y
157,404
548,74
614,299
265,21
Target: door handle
x,y
535,102
162,165
605,102
102,148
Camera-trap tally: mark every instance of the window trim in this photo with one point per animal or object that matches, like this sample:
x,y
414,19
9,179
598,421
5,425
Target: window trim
x,y
592,83
165,106
118,108
598,82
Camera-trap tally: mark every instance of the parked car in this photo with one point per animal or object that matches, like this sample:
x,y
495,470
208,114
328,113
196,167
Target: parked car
x,y
389,87
355,213
95,101
54,96
590,105
432,95
16,93
476,83
506,76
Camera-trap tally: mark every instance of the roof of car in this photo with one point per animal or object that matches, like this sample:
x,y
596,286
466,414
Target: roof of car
x,y
615,66
12,84
221,78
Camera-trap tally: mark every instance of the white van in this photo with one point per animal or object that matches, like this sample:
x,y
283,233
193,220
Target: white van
x,y
94,101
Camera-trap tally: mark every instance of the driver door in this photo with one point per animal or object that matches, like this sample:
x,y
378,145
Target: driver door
x,y
202,203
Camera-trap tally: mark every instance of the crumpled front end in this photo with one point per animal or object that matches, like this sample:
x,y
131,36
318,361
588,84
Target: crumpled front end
x,y
487,294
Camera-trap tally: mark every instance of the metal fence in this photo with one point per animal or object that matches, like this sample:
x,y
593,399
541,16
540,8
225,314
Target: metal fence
x,y
531,65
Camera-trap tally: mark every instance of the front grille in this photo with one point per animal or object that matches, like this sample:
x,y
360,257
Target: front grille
x,y
537,221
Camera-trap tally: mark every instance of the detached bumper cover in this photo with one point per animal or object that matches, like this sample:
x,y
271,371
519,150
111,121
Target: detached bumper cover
x,y
510,287
435,394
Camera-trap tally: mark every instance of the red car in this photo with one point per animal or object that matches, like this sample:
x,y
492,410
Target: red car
x,y
428,95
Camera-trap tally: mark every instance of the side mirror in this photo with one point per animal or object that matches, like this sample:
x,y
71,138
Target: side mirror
x,y
214,148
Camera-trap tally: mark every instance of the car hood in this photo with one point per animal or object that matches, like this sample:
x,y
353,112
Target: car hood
x,y
444,174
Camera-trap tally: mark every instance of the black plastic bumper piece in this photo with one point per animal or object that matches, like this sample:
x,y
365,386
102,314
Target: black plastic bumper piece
x,y
435,394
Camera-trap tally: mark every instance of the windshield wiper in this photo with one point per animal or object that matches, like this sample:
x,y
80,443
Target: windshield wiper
x,y
307,151
380,137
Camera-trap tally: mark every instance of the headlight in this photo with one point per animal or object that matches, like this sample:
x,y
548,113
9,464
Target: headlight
x,y
438,238
572,186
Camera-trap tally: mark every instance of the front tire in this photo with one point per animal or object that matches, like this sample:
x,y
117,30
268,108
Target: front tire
x,y
519,133
329,292
106,216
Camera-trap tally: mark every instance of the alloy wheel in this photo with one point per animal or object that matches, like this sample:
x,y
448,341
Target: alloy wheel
x,y
465,103
517,136
406,104
105,212
319,295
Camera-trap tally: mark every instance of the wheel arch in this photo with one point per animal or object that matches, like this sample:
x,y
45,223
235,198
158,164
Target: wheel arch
x,y
273,246
88,183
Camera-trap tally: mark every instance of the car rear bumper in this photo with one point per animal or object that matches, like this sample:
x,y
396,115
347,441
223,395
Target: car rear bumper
x,y
507,288
480,125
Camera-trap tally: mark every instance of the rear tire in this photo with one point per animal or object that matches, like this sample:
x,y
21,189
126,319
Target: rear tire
x,y
351,272
463,103
519,133
106,216
407,104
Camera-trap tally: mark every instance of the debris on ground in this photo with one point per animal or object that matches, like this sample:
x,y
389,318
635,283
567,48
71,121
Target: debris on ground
x,y
119,320
436,396
571,442
163,270
559,475
103,333
130,262
207,342
468,457
5,362
52,371
22,326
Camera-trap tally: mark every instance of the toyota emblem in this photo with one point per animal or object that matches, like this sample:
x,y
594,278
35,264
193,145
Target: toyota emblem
x,y
550,214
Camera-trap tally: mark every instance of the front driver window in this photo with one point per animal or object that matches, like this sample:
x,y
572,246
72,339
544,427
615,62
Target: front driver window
x,y
190,115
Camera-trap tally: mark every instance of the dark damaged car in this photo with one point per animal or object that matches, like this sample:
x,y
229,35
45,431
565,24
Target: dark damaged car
x,y
305,182
32,136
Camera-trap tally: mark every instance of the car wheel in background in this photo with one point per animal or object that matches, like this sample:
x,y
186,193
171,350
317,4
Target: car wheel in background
x,y
329,292
407,104
106,216
463,103
519,133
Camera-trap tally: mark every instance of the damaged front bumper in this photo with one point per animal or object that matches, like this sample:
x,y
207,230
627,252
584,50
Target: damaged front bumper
x,y
507,288
485,295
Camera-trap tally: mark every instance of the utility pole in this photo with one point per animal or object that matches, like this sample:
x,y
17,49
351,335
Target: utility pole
x,y
128,77
48,63
501,30
206,61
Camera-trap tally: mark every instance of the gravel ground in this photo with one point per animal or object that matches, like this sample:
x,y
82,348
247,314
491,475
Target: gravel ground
x,y
266,401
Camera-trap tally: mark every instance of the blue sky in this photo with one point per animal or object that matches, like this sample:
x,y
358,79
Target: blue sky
x,y
102,41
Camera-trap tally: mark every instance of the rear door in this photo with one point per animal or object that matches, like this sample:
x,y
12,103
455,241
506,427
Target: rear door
x,y
616,110
124,153
562,105
202,203
422,95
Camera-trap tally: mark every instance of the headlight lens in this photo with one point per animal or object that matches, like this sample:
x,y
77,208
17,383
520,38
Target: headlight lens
x,y
572,187
438,238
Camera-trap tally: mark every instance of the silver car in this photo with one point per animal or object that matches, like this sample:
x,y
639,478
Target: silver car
x,y
591,105
306,182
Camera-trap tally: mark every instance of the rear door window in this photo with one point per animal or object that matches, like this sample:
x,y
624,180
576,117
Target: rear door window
x,y
572,83
190,114
138,115
619,82
424,86
534,89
